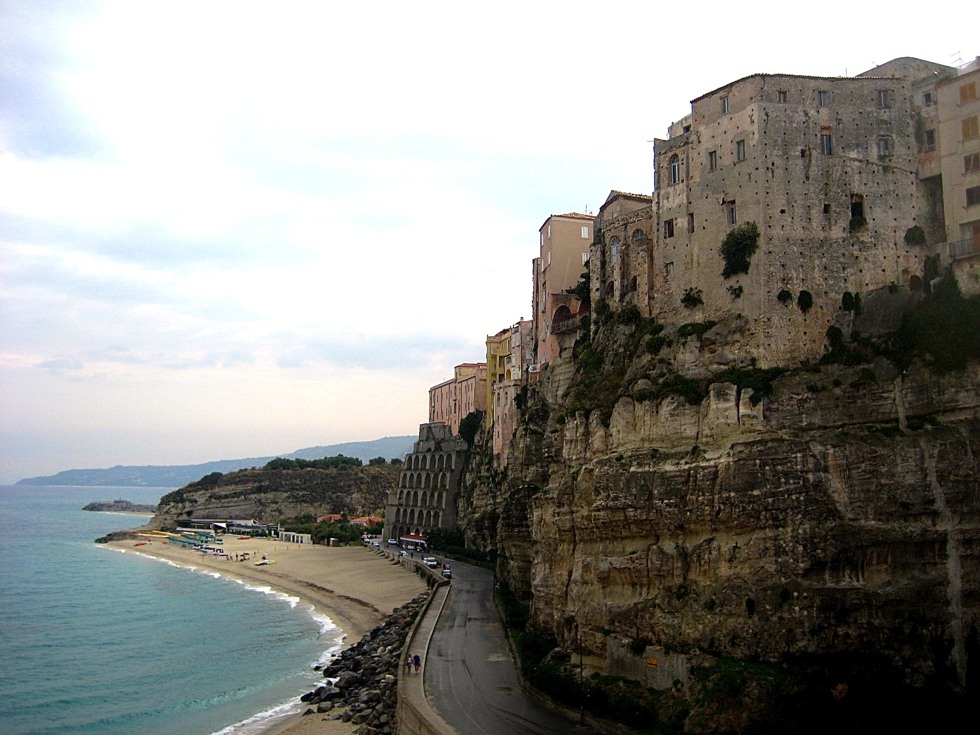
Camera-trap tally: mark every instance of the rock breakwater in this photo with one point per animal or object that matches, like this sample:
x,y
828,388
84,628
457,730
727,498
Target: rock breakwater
x,y
362,681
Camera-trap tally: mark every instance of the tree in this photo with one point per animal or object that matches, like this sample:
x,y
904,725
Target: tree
x,y
470,425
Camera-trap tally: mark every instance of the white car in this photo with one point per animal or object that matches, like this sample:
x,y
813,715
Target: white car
x,y
430,561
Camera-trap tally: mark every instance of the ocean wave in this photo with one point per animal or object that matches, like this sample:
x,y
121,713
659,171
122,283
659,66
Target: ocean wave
x,y
263,721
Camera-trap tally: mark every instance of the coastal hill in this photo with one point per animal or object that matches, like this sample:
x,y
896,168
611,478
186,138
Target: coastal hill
x,y
391,447
281,491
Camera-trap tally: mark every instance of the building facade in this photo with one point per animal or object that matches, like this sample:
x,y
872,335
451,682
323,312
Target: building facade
x,y
564,241
619,259
958,107
425,498
452,400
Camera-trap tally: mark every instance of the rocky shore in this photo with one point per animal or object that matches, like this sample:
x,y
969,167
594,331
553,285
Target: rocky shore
x,y
362,681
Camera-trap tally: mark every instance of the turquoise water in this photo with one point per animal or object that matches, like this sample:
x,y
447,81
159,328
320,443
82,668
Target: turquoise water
x,y
100,641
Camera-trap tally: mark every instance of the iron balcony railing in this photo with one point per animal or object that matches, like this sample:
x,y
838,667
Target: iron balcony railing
x,y
566,325
964,248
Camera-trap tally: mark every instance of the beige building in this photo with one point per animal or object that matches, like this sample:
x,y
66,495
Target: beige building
x,y
958,106
452,400
564,240
826,171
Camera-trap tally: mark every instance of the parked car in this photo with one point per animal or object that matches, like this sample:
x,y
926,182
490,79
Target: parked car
x,y
447,574
430,561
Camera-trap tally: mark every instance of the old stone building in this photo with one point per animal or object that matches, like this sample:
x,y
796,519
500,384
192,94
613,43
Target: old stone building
x,y
425,498
823,187
619,259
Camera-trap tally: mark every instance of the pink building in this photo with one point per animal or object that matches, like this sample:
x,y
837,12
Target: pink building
x,y
452,400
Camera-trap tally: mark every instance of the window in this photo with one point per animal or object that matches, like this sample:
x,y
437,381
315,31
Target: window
x,y
971,163
739,150
826,144
585,232
668,269
973,196
823,98
614,251
968,92
585,258
884,99
668,228
927,99
782,96
730,213
690,222
969,125
724,105
712,160
639,237
884,146
675,169
930,140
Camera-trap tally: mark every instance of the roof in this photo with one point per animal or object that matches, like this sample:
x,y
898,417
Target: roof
x,y
568,215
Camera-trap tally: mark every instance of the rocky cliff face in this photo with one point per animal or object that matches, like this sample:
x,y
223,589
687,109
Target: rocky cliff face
x,y
271,495
834,524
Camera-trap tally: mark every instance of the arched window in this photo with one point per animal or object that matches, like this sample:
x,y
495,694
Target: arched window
x,y
675,169
614,251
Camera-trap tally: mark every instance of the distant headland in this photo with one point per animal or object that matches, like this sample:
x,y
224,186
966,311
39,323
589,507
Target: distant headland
x,y
390,447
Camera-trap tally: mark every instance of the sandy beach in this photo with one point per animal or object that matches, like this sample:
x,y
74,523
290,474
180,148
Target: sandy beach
x,y
354,586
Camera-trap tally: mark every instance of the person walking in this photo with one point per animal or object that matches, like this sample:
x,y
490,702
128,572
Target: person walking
x,y
418,662
408,663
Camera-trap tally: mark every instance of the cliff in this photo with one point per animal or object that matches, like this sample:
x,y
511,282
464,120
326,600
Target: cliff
x,y
666,508
269,495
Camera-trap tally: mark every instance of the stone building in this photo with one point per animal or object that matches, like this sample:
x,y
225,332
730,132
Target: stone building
x,y
564,252
823,187
425,498
623,236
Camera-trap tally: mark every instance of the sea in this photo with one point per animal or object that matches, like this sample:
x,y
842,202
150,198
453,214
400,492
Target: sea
x,y
95,640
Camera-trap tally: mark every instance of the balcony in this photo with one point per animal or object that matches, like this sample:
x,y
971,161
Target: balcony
x,y
964,248
566,325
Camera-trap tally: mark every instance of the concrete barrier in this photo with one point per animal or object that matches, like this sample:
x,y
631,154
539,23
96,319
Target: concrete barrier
x,y
415,714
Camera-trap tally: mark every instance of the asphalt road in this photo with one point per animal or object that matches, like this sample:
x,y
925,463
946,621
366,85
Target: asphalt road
x,y
470,678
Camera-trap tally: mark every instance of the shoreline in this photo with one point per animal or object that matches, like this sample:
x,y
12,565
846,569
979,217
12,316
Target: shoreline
x,y
355,587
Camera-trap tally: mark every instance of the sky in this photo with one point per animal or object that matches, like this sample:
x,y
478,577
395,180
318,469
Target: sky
x,y
237,229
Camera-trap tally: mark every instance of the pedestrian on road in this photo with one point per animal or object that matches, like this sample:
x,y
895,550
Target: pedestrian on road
x,y
418,662
408,663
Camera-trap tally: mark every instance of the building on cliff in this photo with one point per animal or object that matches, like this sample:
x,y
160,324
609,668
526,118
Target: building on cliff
x,y
452,400
425,498
564,240
623,232
816,187
510,355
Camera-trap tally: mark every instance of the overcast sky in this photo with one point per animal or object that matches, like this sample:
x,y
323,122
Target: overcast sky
x,y
234,229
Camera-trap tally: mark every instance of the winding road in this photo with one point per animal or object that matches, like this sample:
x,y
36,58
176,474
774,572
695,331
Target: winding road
x,y
470,677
